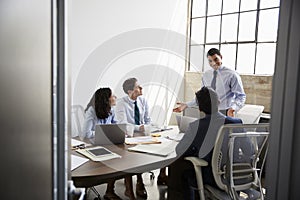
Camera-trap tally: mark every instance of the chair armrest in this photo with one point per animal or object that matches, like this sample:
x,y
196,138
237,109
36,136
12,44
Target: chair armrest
x,y
196,161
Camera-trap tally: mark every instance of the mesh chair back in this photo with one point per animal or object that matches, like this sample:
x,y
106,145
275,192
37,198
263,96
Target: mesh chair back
x,y
236,154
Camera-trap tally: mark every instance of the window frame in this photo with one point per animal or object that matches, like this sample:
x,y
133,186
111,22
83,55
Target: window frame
x,y
219,43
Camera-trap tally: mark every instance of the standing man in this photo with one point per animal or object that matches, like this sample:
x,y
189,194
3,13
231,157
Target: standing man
x,y
226,82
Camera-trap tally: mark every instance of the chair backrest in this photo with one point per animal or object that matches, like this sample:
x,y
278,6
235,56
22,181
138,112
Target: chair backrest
x,y
77,118
236,155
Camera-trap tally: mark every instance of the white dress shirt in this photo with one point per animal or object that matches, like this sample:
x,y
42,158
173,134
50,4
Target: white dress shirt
x,y
125,111
229,88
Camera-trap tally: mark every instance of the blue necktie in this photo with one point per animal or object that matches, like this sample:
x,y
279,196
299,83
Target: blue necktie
x,y
214,80
136,114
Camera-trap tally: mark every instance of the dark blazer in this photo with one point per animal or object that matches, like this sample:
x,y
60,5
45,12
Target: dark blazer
x,y
192,141
195,143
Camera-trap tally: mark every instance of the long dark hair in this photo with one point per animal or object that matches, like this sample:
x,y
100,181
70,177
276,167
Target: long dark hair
x,y
100,102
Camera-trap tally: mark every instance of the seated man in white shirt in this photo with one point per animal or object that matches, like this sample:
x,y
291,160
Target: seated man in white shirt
x,y
134,109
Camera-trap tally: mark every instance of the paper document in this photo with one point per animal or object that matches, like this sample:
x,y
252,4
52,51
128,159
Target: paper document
x,y
163,149
142,140
175,137
76,161
98,153
78,143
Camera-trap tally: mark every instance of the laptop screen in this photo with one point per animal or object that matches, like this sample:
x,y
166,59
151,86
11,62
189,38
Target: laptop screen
x,y
106,134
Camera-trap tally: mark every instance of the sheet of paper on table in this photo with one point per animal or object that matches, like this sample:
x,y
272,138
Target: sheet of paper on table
x,y
76,161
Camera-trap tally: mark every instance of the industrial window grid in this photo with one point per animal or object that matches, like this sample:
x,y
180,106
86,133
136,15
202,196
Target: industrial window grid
x,y
220,42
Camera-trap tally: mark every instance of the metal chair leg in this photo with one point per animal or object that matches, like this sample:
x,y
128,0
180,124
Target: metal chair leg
x,y
96,192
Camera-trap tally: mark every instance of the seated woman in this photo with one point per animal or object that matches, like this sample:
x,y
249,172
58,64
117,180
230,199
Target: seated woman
x,y
191,143
99,111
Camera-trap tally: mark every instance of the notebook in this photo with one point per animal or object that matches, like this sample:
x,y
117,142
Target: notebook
x,y
109,134
164,149
183,122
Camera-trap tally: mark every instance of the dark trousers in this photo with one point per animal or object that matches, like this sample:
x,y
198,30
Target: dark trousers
x,y
183,184
189,184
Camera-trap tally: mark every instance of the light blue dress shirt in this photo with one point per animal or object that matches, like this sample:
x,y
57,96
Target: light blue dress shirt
x,y
229,88
90,121
125,111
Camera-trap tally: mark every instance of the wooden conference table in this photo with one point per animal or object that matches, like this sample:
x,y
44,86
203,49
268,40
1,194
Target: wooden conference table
x,y
94,173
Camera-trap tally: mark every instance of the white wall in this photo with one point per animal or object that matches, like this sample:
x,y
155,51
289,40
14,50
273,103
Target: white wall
x,y
110,41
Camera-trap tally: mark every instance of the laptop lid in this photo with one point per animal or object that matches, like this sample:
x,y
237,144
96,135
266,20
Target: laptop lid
x,y
183,122
109,134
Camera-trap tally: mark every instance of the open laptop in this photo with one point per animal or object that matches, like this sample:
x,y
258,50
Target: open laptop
x,y
109,134
183,122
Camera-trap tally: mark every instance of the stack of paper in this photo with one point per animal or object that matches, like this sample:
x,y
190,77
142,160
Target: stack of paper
x,y
163,149
142,140
77,144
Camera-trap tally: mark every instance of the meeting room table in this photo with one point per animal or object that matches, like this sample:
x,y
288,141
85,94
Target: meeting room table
x,y
94,173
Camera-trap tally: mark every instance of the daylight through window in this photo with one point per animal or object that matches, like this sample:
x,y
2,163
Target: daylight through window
x,y
245,31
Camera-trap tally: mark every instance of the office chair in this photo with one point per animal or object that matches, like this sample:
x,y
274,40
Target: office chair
x,y
235,159
77,117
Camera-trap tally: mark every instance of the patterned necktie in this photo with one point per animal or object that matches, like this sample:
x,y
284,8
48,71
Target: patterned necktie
x,y
214,80
136,114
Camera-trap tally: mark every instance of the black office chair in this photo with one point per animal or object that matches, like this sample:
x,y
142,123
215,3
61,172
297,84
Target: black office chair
x,y
235,163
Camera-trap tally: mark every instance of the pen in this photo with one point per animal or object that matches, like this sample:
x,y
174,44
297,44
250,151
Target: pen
x,y
161,130
166,129
80,146
168,137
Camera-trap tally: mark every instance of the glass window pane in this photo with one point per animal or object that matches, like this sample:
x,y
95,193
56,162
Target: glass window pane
x,y
228,52
230,6
245,58
268,25
214,7
208,47
265,58
213,29
199,7
269,3
198,29
247,26
196,61
229,28
248,5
